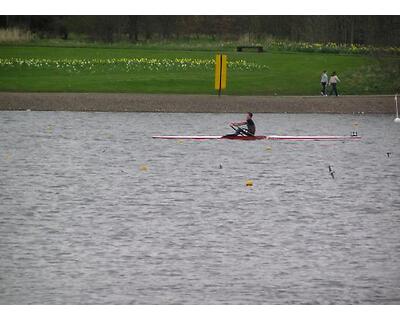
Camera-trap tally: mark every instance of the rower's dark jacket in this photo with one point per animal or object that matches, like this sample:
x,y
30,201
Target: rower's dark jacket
x,y
251,126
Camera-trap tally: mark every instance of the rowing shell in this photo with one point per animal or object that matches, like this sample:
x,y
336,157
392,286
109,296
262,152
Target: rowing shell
x,y
273,137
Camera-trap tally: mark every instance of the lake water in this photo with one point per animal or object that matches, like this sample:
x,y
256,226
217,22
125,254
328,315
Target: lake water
x,y
83,222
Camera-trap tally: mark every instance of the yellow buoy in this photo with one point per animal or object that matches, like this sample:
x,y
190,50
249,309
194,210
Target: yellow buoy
x,y
355,124
143,168
268,149
179,141
249,183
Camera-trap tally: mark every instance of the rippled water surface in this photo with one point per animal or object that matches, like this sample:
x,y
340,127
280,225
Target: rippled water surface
x,y
83,221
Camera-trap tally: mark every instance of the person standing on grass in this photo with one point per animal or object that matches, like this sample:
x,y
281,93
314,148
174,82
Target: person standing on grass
x,y
324,82
333,81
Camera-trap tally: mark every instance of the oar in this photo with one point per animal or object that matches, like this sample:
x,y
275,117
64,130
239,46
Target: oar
x,y
236,128
243,129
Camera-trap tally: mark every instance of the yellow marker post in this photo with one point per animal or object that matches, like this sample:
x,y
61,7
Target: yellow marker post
x,y
220,72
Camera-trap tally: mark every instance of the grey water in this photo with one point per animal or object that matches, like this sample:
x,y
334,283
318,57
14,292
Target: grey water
x,y
95,211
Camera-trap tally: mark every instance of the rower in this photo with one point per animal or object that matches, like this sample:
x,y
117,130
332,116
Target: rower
x,y
251,127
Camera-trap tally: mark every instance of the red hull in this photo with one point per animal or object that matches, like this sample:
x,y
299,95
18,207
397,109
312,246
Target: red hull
x,y
245,138
272,137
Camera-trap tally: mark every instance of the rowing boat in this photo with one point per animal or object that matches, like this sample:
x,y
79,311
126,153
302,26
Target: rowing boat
x,y
272,137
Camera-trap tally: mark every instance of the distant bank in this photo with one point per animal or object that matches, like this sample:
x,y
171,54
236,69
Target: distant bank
x,y
128,102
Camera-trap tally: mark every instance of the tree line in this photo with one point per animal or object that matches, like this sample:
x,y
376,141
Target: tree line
x,y
365,30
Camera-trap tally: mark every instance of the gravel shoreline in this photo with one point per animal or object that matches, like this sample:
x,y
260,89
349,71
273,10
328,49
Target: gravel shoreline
x,y
128,102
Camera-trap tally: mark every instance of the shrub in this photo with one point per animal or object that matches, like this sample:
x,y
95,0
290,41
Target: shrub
x,y
14,35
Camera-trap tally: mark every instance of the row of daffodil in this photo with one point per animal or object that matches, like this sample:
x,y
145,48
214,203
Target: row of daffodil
x,y
127,64
287,45
330,47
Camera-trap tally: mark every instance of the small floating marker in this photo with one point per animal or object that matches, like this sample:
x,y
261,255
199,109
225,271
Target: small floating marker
x,y
179,141
143,168
249,183
331,172
355,124
268,148
388,154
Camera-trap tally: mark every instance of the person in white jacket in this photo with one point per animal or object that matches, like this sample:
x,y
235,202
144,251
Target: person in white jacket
x,y
333,81
324,82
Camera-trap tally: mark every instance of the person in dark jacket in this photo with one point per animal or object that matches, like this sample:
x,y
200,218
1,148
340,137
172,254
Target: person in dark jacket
x,y
251,127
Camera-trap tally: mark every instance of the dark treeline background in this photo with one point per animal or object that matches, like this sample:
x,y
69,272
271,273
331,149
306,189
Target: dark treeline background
x,y
369,30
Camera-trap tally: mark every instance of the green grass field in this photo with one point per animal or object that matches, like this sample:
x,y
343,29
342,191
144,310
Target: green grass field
x,y
156,70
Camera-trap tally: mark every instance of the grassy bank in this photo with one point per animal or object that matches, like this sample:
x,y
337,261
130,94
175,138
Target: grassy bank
x,y
204,43
156,70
